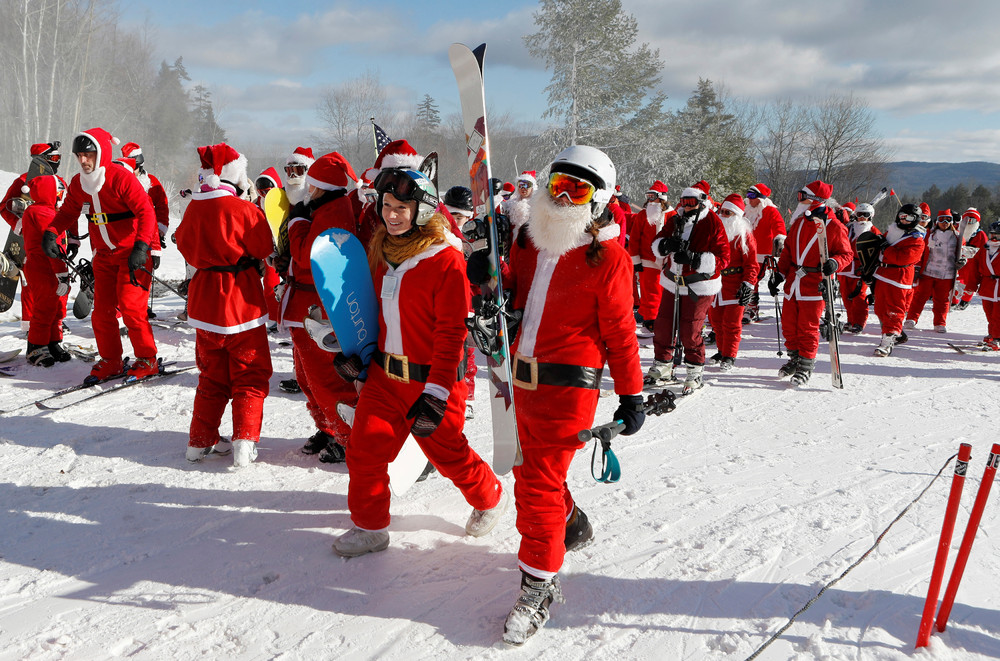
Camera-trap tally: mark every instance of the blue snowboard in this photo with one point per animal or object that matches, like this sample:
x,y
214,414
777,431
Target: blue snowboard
x,y
344,283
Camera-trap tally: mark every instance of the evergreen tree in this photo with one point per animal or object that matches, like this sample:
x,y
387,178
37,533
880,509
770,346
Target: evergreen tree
x,y
170,117
206,130
428,116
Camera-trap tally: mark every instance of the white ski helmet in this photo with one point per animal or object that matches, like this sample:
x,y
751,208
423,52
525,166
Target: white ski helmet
x,y
590,164
865,209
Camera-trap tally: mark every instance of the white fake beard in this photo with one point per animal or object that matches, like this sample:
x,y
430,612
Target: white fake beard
x,y
753,214
736,226
518,210
295,189
655,213
801,209
558,229
93,181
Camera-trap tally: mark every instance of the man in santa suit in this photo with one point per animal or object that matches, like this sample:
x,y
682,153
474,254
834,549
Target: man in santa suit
x,y
396,154
802,269
934,273
695,249
296,165
646,224
903,248
726,313
973,241
769,235
122,228
329,179
854,290
225,238
518,206
985,276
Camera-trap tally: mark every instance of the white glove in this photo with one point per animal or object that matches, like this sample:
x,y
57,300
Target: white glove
x,y
62,289
321,330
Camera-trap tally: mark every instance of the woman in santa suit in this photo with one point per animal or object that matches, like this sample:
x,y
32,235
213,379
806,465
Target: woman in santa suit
x,y
573,280
985,276
416,380
738,281
903,248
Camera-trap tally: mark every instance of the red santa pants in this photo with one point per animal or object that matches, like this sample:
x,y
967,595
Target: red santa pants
x,y
650,292
693,313
992,310
381,427
965,275
321,385
800,325
233,367
857,307
45,323
113,291
470,372
727,322
891,303
27,300
937,289
548,420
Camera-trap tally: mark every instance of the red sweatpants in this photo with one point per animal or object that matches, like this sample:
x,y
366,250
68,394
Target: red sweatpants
x,y
233,367
800,326
381,427
727,322
113,292
891,303
27,301
857,307
49,310
321,385
992,310
692,314
937,289
650,292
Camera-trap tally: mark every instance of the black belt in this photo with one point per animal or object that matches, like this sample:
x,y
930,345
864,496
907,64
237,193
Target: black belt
x,y
244,263
399,368
528,374
732,269
807,269
895,266
685,280
105,218
300,285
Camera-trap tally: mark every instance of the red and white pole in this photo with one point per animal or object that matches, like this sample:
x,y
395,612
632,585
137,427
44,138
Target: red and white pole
x,y
970,534
944,543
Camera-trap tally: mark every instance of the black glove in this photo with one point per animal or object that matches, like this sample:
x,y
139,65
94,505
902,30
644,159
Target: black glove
x,y
156,262
478,267
427,413
348,367
830,267
744,294
137,260
513,324
683,257
630,412
50,245
774,282
72,246
163,240
670,244
638,268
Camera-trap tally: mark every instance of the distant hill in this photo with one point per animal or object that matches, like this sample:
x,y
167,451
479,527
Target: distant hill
x,y
915,177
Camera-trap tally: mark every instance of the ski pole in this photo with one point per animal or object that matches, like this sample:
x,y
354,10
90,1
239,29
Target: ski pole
x,y
941,558
770,263
970,535
656,404
145,270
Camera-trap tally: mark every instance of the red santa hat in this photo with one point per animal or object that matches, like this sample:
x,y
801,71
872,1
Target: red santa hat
x,y
396,154
528,176
301,156
944,213
659,189
819,190
128,163
973,213
852,207
221,162
132,150
331,172
698,190
735,204
40,149
271,175
508,187
761,189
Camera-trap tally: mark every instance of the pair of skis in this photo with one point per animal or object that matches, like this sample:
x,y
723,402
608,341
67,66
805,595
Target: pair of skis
x,y
827,287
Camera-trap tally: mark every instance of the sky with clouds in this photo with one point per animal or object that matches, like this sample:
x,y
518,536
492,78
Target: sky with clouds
x,y
928,70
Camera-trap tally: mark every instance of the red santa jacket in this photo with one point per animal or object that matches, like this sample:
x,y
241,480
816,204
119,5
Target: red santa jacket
x,y
422,310
158,198
221,230
900,255
333,209
621,219
707,236
36,219
12,192
767,226
742,268
640,244
799,261
577,314
986,270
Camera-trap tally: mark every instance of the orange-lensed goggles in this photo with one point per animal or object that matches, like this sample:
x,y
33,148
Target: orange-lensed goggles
x,y
577,191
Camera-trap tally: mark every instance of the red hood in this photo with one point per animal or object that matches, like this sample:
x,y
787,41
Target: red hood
x,y
43,190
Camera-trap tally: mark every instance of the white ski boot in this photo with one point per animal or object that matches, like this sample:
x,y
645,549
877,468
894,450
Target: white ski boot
x,y
220,449
660,374
531,611
885,348
244,453
481,522
693,380
358,541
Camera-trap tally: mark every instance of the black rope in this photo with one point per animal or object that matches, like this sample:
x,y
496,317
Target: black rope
x,y
857,562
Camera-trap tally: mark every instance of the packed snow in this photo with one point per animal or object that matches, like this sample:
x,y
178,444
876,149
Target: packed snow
x,y
732,513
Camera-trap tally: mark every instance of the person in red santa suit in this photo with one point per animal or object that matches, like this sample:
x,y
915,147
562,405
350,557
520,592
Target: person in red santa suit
x,y
329,179
264,183
416,378
158,198
49,277
518,206
296,165
695,249
854,290
973,241
122,228
726,313
934,273
901,252
985,277
13,206
225,238
397,154
769,235
802,270
646,224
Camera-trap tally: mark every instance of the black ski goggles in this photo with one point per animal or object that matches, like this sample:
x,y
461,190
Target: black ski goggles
x,y
402,186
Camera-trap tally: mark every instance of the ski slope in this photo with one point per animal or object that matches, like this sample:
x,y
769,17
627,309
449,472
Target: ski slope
x,y
732,512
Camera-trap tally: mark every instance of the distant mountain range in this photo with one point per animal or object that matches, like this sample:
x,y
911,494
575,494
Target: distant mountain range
x,y
915,177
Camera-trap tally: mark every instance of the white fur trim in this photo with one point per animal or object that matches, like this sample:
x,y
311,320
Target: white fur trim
x,y
732,207
707,262
403,161
235,171
322,184
299,159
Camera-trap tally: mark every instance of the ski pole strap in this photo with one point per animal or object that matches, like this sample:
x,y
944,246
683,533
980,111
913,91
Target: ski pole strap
x,y
611,470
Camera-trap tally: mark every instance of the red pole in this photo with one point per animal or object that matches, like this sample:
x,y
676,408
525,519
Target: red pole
x,y
970,534
944,543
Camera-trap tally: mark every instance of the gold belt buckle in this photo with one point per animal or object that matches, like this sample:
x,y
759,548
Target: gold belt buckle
x,y
532,364
404,361
94,218
679,280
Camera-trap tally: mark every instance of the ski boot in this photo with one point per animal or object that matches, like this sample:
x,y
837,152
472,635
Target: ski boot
x,y
220,449
289,385
143,367
990,344
727,363
803,371
244,453
885,348
693,380
105,369
59,352
716,358
358,541
40,356
578,530
853,328
902,337
909,324
531,611
482,522
789,368
660,374
333,453
316,443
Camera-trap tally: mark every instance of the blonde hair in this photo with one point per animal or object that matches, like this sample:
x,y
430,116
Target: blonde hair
x,y
397,249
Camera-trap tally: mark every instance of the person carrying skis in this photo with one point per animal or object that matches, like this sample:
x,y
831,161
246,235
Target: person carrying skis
x,y
738,278
572,279
695,249
225,238
936,270
854,290
802,270
646,224
904,245
769,236
122,229
985,278
416,378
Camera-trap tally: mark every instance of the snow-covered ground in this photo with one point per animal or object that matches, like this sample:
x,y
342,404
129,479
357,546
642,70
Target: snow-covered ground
x,y
732,512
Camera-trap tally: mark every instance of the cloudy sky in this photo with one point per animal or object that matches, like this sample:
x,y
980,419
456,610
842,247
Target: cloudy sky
x,y
928,70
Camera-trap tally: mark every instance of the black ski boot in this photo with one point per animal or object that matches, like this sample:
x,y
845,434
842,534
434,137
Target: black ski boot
x,y
289,385
59,352
803,371
333,453
316,442
38,355
789,368
531,611
578,530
